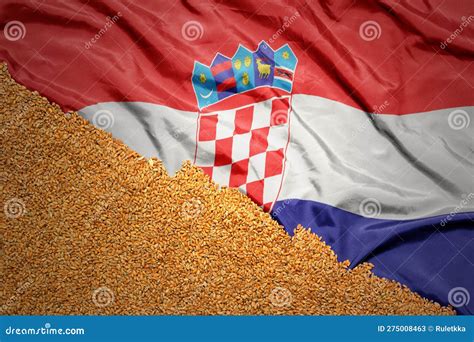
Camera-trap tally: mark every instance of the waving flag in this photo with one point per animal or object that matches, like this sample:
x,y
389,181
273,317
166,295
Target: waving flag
x,y
353,119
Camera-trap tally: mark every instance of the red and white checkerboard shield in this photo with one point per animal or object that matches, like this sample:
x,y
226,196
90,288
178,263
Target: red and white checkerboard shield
x,y
244,147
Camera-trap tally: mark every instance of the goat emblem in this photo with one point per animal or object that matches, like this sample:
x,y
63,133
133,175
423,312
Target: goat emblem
x,y
263,69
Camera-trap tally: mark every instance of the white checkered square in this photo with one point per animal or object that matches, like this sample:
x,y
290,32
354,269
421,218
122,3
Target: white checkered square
x,y
256,167
277,137
262,115
225,124
206,151
221,174
241,146
270,188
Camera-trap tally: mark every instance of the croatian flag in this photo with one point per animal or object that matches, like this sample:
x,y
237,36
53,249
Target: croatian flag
x,y
356,120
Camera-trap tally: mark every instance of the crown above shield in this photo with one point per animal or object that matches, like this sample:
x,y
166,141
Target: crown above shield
x,y
245,71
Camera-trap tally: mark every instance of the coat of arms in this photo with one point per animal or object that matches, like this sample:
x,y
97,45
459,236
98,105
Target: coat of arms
x,y
244,119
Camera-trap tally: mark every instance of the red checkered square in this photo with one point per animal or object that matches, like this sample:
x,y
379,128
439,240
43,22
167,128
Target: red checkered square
x,y
274,163
207,127
207,170
238,173
279,114
223,152
244,148
243,120
259,141
255,191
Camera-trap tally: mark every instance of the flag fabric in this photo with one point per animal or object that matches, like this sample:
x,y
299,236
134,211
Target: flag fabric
x,y
354,119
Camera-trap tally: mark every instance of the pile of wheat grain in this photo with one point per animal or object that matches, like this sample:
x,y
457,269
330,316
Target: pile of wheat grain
x,y
89,227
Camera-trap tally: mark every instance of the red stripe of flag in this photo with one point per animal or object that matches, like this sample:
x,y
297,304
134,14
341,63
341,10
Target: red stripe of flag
x,y
415,86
